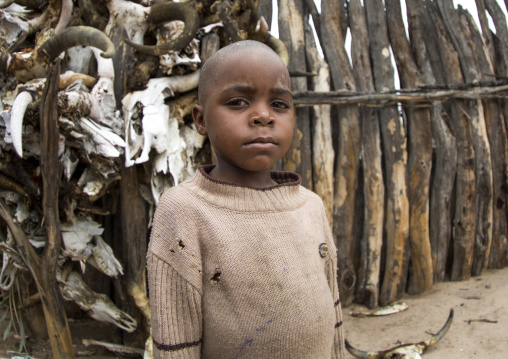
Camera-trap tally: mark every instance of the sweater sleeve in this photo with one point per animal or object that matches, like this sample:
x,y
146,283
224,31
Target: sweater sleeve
x,y
174,282
176,312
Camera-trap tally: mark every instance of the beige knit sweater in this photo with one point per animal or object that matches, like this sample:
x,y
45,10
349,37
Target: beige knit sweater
x,y
237,272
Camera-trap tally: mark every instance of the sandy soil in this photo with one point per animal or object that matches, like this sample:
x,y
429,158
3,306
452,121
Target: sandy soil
x,y
479,328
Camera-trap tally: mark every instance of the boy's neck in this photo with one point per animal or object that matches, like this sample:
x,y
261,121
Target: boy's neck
x,y
241,177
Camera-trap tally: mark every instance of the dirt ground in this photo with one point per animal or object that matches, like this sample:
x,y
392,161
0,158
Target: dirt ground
x,y
479,328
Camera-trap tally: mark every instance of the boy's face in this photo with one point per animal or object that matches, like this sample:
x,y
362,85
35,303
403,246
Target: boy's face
x,y
248,112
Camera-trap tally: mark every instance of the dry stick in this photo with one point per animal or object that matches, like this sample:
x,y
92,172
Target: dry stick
x,y
393,135
499,253
481,188
419,156
445,153
298,157
497,142
322,144
347,152
481,320
44,270
367,288
51,170
380,99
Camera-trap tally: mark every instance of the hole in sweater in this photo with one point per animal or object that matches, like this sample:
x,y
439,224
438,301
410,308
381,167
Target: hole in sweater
x,y
182,246
216,276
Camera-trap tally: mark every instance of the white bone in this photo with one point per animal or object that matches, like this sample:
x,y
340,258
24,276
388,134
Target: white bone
x,y
188,57
104,139
77,238
17,113
105,259
97,305
121,350
90,182
130,16
160,131
13,23
79,59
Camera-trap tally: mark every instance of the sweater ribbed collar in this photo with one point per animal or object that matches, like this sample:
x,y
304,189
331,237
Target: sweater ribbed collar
x,y
285,195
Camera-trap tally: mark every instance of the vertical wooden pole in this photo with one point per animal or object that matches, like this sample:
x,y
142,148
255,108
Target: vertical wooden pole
x,y
51,170
298,157
347,151
367,288
426,50
393,135
482,195
322,146
419,156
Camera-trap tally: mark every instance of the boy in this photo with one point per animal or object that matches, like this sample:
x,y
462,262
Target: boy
x,y
241,262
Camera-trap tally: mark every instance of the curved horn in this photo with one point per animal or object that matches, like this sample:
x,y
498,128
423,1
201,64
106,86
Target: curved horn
x,y
77,36
65,15
21,102
6,3
434,339
361,354
278,46
168,11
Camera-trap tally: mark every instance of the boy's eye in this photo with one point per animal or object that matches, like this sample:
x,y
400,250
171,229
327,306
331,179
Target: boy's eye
x,y
236,102
280,105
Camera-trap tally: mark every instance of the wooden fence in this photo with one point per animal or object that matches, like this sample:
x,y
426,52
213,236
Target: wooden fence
x,y
415,180
418,188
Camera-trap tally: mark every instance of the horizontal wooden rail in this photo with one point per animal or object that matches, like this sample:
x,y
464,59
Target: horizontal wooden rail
x,y
381,99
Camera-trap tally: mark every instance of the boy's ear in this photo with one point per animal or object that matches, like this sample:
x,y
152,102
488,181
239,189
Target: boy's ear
x,y
199,119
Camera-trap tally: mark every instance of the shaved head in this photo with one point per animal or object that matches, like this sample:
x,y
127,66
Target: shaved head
x,y
211,69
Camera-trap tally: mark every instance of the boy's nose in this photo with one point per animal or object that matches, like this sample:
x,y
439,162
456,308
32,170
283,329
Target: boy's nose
x,y
261,117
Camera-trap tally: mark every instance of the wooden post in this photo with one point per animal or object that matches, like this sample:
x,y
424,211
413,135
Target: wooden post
x,y
51,170
43,270
498,145
322,146
347,151
499,250
483,169
419,156
425,48
134,227
298,157
464,214
367,288
396,226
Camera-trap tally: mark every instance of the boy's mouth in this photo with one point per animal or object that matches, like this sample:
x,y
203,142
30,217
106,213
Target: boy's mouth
x,y
261,143
268,140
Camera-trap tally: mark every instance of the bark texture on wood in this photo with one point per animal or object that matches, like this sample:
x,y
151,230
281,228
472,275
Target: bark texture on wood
x,y
367,288
347,150
464,221
51,170
461,37
498,147
298,157
134,224
423,42
322,146
396,225
419,156
483,147
499,250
